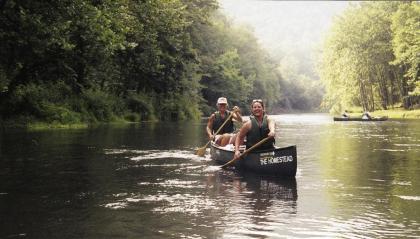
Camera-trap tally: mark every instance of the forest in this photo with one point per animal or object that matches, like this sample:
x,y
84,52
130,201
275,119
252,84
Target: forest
x,y
87,61
371,57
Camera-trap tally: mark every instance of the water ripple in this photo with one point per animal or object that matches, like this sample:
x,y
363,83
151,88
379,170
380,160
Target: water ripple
x,y
402,183
415,198
180,154
176,183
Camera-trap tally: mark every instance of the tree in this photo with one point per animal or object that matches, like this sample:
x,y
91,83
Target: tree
x,y
406,46
355,65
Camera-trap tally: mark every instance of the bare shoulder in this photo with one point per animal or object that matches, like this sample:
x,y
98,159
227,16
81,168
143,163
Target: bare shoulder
x,y
244,129
247,125
211,118
269,118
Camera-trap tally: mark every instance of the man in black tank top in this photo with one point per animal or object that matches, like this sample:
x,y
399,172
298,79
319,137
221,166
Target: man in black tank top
x,y
218,118
257,128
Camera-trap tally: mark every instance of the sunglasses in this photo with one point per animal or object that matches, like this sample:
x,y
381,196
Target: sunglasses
x,y
257,101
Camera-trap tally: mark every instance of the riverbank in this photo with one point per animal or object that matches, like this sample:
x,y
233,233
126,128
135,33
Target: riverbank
x,y
31,124
37,125
399,114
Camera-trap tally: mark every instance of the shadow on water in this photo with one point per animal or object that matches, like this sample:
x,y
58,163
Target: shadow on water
x,y
256,204
270,187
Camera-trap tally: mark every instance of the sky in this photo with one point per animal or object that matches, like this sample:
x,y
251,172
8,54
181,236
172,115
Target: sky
x,y
289,25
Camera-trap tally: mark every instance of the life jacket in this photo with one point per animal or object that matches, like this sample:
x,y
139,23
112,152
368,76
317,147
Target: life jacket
x,y
218,121
257,133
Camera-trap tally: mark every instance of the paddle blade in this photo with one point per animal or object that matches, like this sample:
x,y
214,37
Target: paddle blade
x,y
201,151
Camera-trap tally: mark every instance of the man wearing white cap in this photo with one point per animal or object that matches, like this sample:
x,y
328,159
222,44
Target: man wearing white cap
x,y
218,118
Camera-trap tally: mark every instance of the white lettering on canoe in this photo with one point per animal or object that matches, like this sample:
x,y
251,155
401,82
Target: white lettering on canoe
x,y
275,160
267,154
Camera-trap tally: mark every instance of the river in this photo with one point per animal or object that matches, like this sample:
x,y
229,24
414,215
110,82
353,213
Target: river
x,y
354,180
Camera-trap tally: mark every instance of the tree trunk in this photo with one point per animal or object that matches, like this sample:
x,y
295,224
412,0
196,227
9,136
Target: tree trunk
x,y
382,86
372,97
363,96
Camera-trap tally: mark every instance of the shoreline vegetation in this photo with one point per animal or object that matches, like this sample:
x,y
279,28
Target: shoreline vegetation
x,y
40,125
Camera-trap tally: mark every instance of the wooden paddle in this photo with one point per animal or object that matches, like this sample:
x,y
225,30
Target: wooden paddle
x,y
246,152
201,151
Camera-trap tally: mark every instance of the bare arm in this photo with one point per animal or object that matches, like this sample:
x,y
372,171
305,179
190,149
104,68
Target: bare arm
x,y
241,137
237,114
271,127
210,126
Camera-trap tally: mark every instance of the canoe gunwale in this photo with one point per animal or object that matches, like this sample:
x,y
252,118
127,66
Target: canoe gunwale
x,y
254,152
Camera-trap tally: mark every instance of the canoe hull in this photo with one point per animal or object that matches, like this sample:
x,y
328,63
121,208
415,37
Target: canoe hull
x,y
359,119
280,162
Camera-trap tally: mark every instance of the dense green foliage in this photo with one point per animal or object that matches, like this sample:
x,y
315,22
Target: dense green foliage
x,y
371,57
87,61
234,65
96,61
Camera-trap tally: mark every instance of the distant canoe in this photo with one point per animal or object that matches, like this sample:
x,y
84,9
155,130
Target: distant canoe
x,y
280,162
360,119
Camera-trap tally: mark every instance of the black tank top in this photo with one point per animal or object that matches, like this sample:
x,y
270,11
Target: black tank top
x,y
218,121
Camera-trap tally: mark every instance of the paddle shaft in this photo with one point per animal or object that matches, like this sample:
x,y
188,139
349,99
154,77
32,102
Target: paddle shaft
x,y
247,151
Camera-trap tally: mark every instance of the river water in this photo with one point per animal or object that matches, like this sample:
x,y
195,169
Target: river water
x,y
354,180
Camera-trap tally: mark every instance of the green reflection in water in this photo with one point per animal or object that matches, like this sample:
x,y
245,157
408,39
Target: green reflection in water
x,y
368,167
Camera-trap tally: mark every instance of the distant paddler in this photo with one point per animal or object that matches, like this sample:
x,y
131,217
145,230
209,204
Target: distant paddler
x,y
345,114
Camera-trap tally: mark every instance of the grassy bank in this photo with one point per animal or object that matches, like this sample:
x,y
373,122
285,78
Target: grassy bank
x,y
43,125
31,124
399,113
38,125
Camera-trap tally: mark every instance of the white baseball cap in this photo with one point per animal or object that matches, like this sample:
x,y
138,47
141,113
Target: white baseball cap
x,y
222,100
